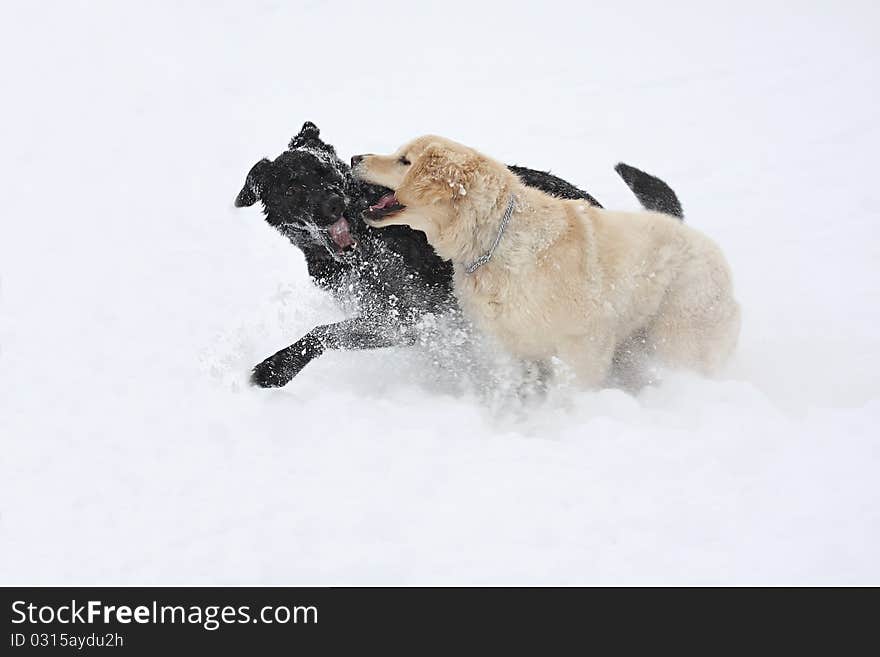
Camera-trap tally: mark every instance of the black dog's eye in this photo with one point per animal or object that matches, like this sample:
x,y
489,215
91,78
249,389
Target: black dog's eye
x,y
404,161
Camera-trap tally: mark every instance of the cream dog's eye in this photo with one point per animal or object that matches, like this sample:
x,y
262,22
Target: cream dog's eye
x,y
404,161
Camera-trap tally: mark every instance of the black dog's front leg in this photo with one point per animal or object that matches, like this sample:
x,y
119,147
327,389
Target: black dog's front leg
x,y
357,333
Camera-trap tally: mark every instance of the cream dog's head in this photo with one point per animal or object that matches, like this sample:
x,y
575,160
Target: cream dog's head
x,y
440,187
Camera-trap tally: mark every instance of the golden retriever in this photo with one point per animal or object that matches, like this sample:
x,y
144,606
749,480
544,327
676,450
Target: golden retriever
x,y
558,278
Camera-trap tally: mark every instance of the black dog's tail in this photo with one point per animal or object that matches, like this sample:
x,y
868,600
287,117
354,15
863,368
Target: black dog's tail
x,y
653,193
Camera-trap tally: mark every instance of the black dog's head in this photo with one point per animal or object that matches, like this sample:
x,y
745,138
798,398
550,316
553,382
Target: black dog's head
x,y
307,193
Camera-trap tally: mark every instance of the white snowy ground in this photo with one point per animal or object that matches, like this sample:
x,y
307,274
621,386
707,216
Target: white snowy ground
x,y
134,298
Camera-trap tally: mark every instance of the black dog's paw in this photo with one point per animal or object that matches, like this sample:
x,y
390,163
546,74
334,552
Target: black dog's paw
x,y
278,370
268,375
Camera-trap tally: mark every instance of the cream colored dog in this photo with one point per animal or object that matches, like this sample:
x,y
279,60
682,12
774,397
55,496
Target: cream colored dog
x,y
551,277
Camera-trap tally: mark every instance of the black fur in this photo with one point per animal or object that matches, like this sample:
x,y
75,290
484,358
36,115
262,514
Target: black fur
x,y
551,184
392,274
653,193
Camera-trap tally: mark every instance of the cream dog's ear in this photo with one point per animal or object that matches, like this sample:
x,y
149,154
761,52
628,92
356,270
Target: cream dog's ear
x,y
448,172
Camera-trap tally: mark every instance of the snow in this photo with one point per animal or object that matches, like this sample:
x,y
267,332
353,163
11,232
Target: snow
x,y
134,299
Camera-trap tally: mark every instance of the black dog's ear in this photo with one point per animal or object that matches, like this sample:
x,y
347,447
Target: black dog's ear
x,y
308,131
248,194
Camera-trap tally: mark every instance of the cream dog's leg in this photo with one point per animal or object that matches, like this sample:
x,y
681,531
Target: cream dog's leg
x,y
698,322
590,357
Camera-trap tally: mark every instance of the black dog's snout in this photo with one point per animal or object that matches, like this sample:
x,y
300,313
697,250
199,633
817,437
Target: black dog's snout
x,y
356,159
333,206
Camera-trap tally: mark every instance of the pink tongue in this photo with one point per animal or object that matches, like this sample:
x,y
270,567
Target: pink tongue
x,y
340,233
384,202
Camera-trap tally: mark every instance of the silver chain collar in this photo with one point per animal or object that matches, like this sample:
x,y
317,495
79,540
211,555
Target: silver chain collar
x,y
487,256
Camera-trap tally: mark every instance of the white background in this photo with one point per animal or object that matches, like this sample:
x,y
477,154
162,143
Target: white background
x,y
134,298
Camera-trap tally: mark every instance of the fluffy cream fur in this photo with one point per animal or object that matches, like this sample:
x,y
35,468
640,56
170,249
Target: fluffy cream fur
x,y
568,279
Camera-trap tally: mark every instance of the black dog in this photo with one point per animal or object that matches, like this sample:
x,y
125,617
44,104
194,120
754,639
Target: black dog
x,y
393,275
